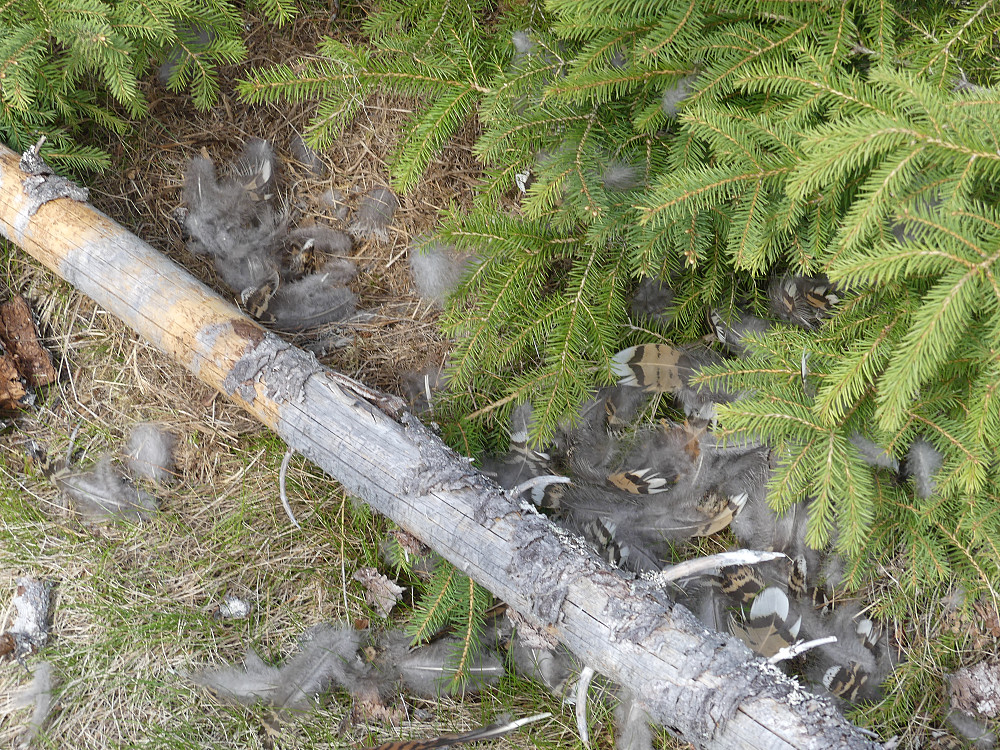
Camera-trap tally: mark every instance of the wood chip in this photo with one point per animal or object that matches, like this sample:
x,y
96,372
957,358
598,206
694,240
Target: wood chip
x,y
12,387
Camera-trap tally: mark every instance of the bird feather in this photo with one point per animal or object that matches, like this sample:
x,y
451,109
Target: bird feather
x,y
802,300
447,740
307,156
256,681
150,451
233,220
327,654
661,368
653,299
312,301
771,625
922,462
552,667
872,453
103,493
432,670
37,695
633,731
737,335
374,215
437,269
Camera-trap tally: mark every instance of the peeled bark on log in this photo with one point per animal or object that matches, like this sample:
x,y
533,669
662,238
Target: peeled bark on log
x,y
706,687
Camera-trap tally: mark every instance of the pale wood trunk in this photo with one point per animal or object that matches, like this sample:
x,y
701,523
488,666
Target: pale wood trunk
x,y
706,687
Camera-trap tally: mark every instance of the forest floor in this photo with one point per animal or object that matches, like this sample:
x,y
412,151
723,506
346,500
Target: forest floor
x,y
133,607
133,603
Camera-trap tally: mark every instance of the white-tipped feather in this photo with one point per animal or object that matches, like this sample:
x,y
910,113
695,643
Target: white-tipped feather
x,y
256,168
327,248
802,300
771,624
661,368
853,667
620,367
150,451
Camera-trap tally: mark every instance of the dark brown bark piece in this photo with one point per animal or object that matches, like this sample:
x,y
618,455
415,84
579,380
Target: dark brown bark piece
x,y
20,337
12,386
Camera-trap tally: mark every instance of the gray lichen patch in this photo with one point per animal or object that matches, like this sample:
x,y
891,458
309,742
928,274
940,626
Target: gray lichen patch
x,y
284,370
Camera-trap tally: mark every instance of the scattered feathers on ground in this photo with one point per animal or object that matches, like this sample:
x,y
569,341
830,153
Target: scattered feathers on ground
x,y
292,279
233,220
327,654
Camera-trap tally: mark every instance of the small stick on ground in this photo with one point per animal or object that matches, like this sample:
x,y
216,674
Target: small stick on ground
x,y
281,488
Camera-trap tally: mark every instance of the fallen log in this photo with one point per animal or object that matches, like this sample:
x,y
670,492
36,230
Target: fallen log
x,y
706,687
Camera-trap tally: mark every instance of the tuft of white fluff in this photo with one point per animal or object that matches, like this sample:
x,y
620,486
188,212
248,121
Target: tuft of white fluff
x,y
437,269
872,453
619,177
674,95
522,42
922,463
150,451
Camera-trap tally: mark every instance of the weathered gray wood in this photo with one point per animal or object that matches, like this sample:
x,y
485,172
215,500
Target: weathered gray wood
x,y
705,686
